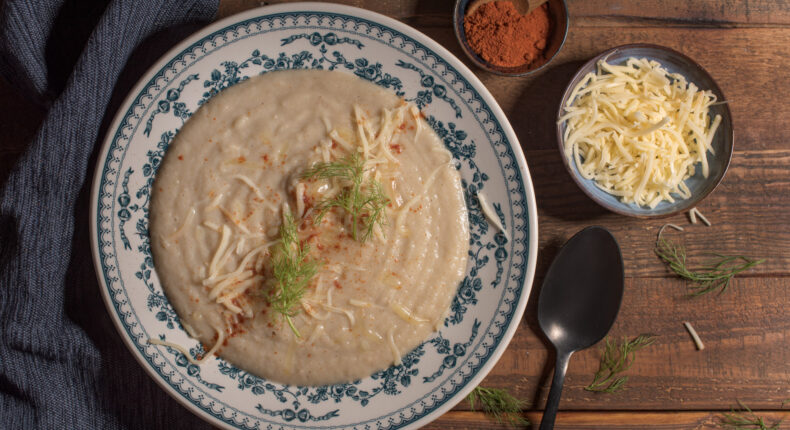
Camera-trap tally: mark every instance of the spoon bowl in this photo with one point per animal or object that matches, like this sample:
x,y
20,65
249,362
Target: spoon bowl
x,y
579,301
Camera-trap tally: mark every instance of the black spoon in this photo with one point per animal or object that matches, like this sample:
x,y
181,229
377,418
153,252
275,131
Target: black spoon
x,y
579,300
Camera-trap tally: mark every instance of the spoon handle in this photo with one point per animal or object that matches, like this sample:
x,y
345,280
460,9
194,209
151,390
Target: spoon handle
x,y
553,402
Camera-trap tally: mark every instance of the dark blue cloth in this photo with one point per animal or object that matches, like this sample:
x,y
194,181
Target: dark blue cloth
x,y
62,363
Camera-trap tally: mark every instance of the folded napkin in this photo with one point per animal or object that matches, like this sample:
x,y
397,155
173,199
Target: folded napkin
x,y
62,363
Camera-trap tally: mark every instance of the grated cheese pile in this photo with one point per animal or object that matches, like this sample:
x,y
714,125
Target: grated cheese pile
x,y
639,131
372,141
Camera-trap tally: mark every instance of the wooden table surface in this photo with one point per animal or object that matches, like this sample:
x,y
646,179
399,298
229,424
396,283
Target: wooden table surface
x,y
745,45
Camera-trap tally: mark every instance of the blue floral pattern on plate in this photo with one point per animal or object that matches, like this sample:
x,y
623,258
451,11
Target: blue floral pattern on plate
x,y
489,301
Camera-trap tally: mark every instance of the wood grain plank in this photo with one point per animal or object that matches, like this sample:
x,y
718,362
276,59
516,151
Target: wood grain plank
x,y
745,332
674,420
635,13
750,212
700,13
392,8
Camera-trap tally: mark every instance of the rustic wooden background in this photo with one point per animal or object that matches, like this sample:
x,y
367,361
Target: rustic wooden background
x,y
745,45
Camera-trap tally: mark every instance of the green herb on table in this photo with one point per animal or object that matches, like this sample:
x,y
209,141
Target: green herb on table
x,y
616,359
716,275
743,419
499,404
363,200
293,270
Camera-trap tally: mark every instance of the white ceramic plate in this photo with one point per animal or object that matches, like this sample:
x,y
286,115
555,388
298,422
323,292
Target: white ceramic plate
x,y
490,301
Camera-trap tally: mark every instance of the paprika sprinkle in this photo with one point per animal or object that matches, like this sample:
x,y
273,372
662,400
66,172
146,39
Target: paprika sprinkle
x,y
499,34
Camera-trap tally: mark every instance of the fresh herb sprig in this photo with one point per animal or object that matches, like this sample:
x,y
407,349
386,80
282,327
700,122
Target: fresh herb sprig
x,y
292,269
616,359
743,418
500,404
363,199
716,275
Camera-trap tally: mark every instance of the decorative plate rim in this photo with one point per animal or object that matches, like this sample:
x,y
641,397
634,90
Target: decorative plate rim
x,y
444,55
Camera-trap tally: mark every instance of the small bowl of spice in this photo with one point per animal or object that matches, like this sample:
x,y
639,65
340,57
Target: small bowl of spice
x,y
511,37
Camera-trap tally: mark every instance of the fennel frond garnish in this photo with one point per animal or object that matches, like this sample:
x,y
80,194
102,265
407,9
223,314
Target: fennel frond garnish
x,y
715,275
292,269
617,358
743,419
498,403
364,200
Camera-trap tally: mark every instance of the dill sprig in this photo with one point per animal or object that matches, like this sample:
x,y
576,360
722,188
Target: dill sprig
x,y
617,358
743,419
715,275
292,269
363,200
499,404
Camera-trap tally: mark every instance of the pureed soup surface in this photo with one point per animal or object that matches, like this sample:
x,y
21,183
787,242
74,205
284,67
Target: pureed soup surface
x,y
234,173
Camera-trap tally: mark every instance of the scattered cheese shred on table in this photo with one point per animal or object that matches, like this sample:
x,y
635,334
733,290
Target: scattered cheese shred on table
x,y
694,336
639,131
694,213
661,230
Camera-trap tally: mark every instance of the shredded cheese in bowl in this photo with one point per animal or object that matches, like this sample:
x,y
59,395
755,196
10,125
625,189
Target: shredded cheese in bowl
x,y
639,131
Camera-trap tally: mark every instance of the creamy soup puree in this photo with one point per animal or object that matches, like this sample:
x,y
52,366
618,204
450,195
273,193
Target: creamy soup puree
x,y
378,235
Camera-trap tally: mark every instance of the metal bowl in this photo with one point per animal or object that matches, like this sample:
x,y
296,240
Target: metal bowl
x,y
723,140
558,12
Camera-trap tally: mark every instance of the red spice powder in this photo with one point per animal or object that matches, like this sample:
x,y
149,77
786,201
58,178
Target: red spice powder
x,y
502,36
